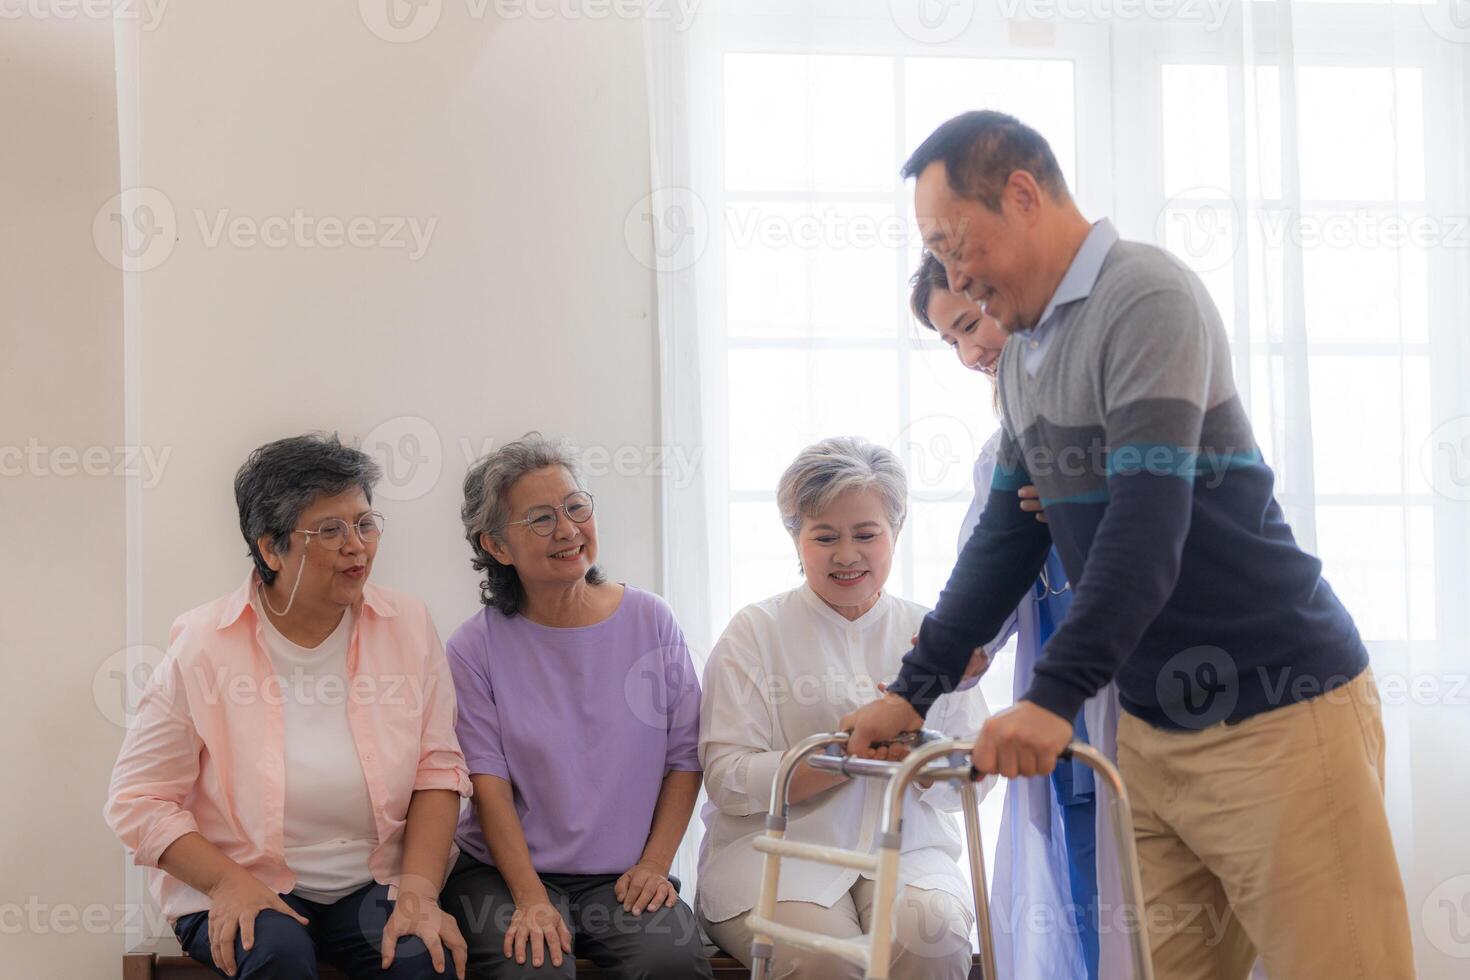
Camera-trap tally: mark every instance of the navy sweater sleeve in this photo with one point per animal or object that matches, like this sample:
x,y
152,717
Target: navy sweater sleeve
x,y
1156,368
996,567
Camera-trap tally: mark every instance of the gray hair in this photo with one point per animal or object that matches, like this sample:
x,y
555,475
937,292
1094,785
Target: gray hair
x,y
486,509
824,471
281,479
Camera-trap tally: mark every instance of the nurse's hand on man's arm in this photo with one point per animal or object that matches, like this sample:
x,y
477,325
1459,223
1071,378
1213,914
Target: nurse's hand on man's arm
x,y
1031,502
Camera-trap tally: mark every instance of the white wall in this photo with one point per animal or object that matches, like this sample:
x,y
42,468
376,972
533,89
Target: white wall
x,y
524,141
61,517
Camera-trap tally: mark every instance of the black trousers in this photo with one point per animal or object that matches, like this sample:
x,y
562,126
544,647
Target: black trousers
x,y
349,933
660,945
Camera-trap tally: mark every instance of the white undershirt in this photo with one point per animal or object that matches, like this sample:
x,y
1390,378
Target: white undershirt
x,y
330,830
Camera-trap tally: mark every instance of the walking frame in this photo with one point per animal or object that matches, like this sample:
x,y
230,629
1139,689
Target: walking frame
x,y
926,761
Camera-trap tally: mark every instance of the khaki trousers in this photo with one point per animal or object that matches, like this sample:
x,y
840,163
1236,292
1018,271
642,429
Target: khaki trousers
x,y
1270,836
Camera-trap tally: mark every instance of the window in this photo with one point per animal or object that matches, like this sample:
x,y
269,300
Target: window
x,y
1175,131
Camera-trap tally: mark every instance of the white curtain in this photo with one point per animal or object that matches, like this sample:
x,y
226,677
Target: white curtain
x,y
1307,158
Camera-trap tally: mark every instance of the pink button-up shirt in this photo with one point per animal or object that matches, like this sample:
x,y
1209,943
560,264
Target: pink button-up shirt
x,y
206,753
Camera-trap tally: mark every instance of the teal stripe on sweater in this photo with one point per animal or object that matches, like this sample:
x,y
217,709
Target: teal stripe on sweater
x,y
1188,464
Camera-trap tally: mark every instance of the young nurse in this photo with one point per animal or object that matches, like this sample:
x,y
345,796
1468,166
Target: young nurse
x,y
1051,840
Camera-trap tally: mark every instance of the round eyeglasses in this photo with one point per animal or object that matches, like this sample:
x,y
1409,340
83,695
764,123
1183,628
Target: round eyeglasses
x,y
577,506
332,533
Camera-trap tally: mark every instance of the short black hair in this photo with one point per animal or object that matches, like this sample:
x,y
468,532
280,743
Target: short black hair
x,y
280,480
981,149
929,276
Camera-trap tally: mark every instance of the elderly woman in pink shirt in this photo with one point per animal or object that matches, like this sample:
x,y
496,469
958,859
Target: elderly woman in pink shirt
x,y
292,778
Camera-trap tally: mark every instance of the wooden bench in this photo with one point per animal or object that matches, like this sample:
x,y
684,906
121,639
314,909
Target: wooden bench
x,y
147,963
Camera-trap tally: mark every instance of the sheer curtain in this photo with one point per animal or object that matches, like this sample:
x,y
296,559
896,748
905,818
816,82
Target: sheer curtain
x,y
1307,158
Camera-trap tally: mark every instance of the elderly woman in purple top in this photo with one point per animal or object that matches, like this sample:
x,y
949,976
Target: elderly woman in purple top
x,y
579,718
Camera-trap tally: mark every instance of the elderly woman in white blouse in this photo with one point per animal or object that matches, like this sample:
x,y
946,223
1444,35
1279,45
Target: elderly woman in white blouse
x,y
793,665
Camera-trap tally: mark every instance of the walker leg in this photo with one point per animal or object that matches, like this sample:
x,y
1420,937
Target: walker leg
x,y
885,892
970,800
760,960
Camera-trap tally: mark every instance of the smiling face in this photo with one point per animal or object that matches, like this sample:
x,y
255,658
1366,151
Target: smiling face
x,y
547,563
989,256
975,337
329,577
847,551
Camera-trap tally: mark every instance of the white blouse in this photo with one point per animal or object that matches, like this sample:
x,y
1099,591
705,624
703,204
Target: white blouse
x,y
785,668
330,829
